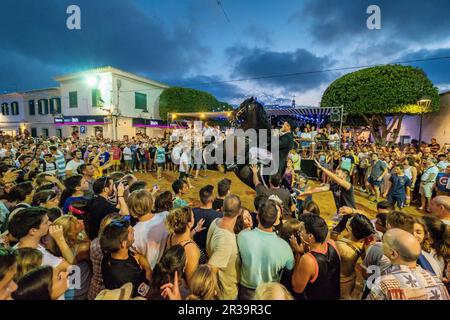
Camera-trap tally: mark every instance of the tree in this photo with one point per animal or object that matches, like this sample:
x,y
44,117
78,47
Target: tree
x,y
374,93
176,99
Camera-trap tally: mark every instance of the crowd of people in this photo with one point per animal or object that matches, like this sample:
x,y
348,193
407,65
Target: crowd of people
x,y
77,224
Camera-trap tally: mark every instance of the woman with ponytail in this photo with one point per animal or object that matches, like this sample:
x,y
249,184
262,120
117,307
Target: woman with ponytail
x,y
179,223
172,262
75,187
359,228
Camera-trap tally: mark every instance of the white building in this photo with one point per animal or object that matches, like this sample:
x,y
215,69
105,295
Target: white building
x,y
110,102
105,101
12,113
434,125
41,107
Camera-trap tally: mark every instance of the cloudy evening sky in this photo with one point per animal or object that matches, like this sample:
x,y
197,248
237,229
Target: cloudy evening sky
x,y
192,42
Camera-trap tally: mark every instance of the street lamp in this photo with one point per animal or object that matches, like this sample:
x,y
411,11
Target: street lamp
x,y
424,104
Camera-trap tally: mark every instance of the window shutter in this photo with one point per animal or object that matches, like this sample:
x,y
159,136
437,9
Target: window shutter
x,y
52,106
45,106
32,107
96,97
15,108
140,101
58,105
41,106
73,99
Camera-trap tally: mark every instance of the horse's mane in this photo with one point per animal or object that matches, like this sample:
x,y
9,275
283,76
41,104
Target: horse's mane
x,y
261,115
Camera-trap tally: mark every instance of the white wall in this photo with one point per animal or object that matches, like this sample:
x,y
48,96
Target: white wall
x,y
127,98
434,125
40,121
84,93
12,122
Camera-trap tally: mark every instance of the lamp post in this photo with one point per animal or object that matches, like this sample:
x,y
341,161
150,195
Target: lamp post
x,y
424,104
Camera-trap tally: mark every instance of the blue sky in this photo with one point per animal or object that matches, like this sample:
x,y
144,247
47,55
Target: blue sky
x,y
186,42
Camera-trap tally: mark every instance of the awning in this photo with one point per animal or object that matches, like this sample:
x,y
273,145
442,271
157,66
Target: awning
x,y
304,111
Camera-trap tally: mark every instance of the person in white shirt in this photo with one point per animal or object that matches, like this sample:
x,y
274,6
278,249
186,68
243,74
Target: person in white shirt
x,y
150,233
72,165
29,226
128,157
185,162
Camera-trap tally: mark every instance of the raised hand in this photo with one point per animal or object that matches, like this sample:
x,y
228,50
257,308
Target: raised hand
x,y
56,232
199,227
172,290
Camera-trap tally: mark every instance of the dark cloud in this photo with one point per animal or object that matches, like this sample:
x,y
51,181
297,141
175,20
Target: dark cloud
x,y
259,34
437,70
250,63
222,91
114,32
331,21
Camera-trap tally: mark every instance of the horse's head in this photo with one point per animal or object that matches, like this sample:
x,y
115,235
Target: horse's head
x,y
250,114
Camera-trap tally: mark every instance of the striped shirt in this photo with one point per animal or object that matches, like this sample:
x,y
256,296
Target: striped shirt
x,y
60,164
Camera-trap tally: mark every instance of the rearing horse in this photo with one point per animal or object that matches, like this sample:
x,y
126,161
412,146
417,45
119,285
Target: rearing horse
x,y
250,115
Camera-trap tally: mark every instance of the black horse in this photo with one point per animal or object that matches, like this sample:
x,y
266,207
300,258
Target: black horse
x,y
250,115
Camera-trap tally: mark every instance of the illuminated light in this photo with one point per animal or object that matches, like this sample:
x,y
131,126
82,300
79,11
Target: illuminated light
x,y
92,81
202,116
229,114
174,116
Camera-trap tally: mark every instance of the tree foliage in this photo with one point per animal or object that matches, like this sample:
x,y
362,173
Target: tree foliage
x,y
374,93
383,90
177,99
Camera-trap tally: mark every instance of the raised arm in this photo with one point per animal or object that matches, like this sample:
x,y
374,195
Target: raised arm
x,y
254,169
343,183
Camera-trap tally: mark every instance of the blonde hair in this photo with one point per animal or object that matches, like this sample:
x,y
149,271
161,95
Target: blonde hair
x,y
272,291
28,259
140,203
67,222
178,219
203,284
107,220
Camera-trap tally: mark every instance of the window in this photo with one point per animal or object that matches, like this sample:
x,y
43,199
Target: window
x,y
59,133
52,106
140,101
45,132
96,98
73,99
5,109
55,106
34,132
15,108
43,106
32,107
58,105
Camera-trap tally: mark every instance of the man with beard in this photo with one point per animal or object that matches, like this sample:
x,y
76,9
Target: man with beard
x,y
120,264
99,207
72,165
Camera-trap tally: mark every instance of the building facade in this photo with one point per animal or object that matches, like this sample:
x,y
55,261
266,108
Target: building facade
x,y
104,102
434,125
